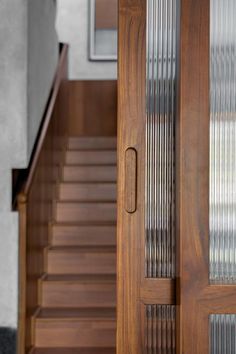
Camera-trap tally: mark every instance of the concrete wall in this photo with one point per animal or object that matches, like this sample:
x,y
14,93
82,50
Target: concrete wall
x,y
28,59
73,26
42,59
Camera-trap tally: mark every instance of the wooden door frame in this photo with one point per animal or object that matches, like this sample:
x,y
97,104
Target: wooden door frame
x,y
131,125
193,177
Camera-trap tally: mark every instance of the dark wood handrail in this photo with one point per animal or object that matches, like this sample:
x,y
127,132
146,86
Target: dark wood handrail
x,y
48,115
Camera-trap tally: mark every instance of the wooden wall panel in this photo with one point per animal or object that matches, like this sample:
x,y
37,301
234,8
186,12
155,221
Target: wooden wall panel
x,y
93,108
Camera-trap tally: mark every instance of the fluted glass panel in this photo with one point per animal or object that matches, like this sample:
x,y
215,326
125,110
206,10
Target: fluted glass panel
x,y
222,334
160,329
160,112
223,141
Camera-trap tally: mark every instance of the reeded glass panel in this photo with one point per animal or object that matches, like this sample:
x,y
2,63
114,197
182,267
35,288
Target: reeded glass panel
x,y
223,142
160,329
160,107
222,334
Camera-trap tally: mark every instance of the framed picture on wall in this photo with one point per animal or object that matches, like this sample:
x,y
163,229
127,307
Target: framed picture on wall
x,y
103,30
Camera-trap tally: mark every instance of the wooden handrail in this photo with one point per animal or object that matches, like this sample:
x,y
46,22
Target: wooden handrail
x,y
49,110
35,204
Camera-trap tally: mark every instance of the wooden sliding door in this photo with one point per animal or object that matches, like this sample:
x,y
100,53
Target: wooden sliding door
x,y
206,208
146,225
177,177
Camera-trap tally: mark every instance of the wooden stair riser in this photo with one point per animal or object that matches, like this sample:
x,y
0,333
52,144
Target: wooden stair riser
x,y
84,212
98,143
93,157
89,174
87,191
72,235
77,294
72,351
75,333
86,262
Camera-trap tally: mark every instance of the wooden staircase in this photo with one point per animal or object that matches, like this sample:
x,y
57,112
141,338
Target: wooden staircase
x,y
77,293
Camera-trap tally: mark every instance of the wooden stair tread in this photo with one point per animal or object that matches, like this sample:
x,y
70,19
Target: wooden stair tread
x,y
85,211
83,249
90,157
72,351
84,223
85,234
98,142
96,191
79,291
81,260
76,328
81,278
92,165
104,173
89,183
85,202
82,313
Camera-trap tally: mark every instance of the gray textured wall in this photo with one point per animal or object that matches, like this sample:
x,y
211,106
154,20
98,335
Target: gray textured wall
x,y
42,58
72,26
28,59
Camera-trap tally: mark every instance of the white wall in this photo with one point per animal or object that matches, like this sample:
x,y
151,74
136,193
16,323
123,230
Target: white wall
x,y
72,27
28,59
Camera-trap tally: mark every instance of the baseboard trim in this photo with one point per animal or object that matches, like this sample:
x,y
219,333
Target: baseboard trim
x,y
8,340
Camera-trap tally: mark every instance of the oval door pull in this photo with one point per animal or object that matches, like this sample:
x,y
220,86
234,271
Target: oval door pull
x,y
130,180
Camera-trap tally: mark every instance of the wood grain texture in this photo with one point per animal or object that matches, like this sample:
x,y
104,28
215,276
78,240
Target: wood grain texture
x,y
89,173
131,128
91,157
83,235
91,291
73,351
81,260
193,179
35,201
98,192
158,291
93,108
89,143
134,290
85,212
76,328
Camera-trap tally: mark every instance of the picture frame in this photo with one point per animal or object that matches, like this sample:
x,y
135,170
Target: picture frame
x,y
94,55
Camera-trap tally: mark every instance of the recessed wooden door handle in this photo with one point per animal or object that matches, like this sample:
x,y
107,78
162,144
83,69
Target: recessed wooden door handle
x,y
130,180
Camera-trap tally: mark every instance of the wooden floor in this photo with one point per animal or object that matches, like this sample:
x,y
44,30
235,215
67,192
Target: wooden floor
x,y
77,312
